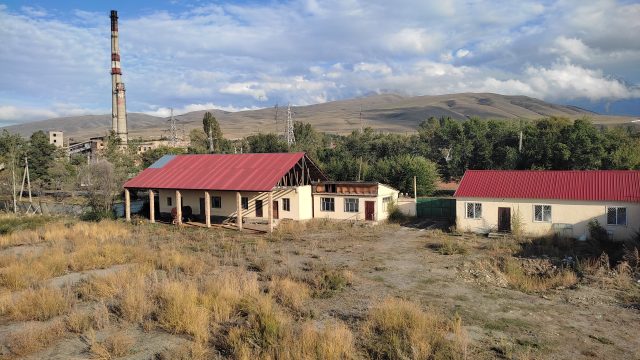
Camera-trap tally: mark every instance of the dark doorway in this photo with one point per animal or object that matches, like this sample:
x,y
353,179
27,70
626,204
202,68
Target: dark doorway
x,y
369,212
258,208
504,219
202,209
275,210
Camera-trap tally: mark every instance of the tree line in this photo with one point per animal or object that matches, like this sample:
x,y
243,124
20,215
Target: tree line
x,y
440,149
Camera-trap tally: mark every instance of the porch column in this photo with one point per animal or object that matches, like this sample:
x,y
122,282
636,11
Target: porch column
x,y
152,207
270,209
178,208
127,205
239,210
207,209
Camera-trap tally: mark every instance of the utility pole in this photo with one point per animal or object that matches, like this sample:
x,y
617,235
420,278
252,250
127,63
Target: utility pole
x,y
520,142
173,131
291,139
13,175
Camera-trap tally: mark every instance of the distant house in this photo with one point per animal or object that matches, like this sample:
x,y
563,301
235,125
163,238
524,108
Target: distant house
x,y
549,201
254,187
352,200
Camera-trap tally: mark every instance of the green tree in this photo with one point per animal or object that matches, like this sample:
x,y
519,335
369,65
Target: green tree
x,y
398,171
41,156
214,133
266,143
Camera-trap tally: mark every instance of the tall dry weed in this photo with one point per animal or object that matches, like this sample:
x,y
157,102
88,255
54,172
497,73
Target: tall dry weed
x,y
31,337
179,310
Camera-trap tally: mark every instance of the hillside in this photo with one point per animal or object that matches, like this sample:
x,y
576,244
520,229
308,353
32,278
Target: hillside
x,y
387,112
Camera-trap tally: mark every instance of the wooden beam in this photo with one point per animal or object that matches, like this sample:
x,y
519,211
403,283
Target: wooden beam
x,y
152,207
127,205
239,210
178,208
207,209
270,209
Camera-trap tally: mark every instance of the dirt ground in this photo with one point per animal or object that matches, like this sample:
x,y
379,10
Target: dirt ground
x,y
580,322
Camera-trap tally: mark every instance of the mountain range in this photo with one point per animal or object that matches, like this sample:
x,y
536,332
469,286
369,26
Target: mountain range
x,y
385,112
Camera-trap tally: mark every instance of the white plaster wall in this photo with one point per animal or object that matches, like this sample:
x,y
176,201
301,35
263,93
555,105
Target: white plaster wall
x,y
407,206
382,212
576,213
299,197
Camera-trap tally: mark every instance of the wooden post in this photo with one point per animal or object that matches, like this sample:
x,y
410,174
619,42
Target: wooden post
x,y
239,210
415,190
127,205
207,209
152,207
270,209
178,208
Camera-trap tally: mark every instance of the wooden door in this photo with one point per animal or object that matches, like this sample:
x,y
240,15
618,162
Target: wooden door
x,y
202,209
258,208
369,210
275,210
504,219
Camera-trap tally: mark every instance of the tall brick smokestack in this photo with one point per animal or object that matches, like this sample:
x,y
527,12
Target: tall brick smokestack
x,y
118,100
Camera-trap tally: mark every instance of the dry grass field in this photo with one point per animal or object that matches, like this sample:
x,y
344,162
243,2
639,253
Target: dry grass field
x,y
320,290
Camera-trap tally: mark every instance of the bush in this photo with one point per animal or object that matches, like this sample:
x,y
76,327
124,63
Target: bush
x,y
395,215
98,215
449,246
398,329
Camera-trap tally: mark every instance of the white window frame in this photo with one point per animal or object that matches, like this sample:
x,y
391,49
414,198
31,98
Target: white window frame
x,y
543,220
324,201
475,216
351,205
286,204
617,209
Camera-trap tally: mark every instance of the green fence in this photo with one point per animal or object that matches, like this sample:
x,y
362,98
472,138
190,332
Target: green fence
x,y
436,208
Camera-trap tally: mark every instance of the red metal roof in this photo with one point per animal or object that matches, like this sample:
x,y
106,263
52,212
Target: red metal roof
x,y
589,185
238,172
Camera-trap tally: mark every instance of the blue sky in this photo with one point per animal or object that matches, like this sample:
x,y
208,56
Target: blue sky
x,y
234,55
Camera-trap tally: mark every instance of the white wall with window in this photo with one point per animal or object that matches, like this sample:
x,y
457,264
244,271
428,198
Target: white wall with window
x,y
351,205
327,204
542,213
542,218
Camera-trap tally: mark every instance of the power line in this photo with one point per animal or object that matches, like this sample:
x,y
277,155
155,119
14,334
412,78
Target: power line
x,y
289,135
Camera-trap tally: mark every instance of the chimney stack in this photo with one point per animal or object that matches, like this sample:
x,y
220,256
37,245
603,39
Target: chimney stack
x,y
118,101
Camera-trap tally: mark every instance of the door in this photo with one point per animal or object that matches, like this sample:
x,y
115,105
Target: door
x,y
369,212
275,210
258,208
504,219
202,209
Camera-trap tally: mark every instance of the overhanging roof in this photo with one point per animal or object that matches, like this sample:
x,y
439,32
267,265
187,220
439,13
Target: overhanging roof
x,y
587,185
234,172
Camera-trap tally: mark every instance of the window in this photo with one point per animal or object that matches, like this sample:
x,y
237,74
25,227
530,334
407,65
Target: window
x,y
328,204
245,203
216,202
386,200
616,215
169,201
542,213
286,204
474,210
351,205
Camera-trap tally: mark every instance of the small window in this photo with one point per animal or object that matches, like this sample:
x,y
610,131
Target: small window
x,y
542,213
169,201
386,200
330,188
245,203
616,215
286,204
474,210
351,205
328,204
216,202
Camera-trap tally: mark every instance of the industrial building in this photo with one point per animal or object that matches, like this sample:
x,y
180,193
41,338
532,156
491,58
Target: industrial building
x,y
253,188
547,202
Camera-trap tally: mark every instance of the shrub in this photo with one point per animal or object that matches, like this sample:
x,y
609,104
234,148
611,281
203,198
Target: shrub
x,y
289,293
39,304
398,329
520,279
222,294
115,345
97,215
179,311
34,337
394,213
449,246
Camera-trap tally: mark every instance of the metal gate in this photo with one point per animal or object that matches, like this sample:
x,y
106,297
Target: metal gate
x,y
436,208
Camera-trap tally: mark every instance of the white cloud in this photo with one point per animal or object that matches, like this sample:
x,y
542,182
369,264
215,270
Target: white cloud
x,y
572,47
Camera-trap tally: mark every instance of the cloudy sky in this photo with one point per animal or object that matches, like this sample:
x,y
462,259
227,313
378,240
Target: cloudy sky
x,y
235,55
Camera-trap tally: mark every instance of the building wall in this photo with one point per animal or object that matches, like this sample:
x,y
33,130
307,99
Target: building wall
x,y
576,213
56,138
299,197
380,210
407,206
